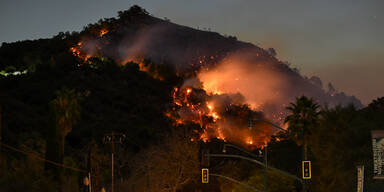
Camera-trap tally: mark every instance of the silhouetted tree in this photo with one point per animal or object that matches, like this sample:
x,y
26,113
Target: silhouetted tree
x,y
303,119
66,109
166,167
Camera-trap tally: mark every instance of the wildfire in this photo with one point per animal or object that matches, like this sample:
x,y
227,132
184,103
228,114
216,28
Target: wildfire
x,y
249,141
76,51
103,32
217,118
259,84
212,113
79,51
213,104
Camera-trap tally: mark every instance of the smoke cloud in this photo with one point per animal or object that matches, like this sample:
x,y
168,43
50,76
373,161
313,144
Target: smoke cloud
x,y
242,73
227,82
236,75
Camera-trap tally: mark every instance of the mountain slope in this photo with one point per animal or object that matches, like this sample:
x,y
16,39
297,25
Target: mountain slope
x,y
136,35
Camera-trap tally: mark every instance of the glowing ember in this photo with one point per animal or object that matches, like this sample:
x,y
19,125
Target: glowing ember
x,y
249,141
218,117
92,48
76,51
263,87
223,101
103,32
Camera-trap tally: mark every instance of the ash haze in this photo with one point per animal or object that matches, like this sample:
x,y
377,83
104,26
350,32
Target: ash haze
x,y
339,41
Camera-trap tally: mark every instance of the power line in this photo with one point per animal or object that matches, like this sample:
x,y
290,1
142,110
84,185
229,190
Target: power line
x,y
34,154
236,181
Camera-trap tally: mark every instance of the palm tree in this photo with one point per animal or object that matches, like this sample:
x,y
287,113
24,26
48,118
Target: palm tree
x,y
303,119
66,113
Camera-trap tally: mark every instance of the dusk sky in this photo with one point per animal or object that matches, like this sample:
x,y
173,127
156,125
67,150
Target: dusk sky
x,y
339,41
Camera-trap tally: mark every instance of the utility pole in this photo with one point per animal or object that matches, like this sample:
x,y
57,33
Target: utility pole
x,y
265,167
112,139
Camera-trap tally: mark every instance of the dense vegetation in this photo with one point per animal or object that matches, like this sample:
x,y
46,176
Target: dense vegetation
x,y
54,118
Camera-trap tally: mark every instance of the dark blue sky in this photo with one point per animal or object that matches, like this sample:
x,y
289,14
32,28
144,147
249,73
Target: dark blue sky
x,y
339,41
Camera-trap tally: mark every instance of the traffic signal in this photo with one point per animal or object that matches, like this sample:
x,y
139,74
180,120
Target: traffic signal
x,y
204,175
306,166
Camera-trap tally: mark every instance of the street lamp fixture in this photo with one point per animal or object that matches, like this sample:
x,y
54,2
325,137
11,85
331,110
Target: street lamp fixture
x,y
238,148
251,120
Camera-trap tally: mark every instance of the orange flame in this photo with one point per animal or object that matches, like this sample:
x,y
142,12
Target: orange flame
x,y
76,51
103,32
190,107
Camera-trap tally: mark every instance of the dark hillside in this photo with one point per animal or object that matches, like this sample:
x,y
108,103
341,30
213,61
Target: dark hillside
x,y
132,75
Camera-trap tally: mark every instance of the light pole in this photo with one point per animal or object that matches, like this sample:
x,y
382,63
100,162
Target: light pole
x,y
262,120
238,148
256,162
265,149
264,164
236,181
112,139
265,146
253,155
304,149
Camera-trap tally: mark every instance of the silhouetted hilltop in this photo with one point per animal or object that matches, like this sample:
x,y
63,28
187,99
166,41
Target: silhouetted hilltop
x,y
135,35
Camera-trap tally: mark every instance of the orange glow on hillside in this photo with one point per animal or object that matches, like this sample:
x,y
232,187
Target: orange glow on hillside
x,y
194,106
103,32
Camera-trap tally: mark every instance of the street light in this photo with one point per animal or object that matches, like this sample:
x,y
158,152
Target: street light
x,y
265,121
265,164
238,148
265,146
253,155
281,129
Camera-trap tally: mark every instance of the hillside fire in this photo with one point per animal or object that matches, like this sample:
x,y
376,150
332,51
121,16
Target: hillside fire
x,y
235,83
221,111
103,32
220,116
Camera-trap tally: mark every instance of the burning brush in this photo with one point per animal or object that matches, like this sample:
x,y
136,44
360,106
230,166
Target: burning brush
x,y
221,116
